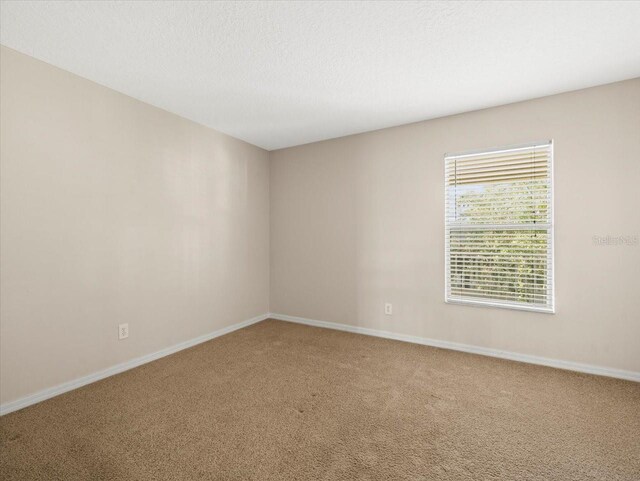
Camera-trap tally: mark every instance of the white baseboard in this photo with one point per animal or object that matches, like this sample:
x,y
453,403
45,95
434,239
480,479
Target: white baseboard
x,y
513,356
125,366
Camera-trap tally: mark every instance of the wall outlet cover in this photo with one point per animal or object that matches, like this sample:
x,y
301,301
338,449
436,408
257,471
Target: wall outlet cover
x,y
123,331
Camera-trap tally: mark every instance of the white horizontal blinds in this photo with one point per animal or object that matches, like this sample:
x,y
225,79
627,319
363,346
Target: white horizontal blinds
x,y
499,227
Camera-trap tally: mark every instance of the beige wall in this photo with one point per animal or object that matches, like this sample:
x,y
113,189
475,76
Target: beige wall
x,y
115,211
358,221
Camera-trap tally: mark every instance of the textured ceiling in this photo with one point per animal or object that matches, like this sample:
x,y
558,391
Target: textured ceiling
x,y
287,73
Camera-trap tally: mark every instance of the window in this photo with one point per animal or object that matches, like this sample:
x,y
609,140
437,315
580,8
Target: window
x,y
499,227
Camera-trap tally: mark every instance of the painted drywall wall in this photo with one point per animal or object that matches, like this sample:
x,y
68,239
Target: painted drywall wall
x,y
115,211
359,221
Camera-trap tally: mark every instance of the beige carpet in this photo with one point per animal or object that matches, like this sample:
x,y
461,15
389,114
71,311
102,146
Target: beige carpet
x,y
280,401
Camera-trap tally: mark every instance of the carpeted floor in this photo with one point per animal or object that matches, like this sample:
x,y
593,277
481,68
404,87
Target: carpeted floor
x,y
280,401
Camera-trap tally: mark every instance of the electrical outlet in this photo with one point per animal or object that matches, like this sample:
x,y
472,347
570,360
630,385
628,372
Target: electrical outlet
x,y
123,331
388,309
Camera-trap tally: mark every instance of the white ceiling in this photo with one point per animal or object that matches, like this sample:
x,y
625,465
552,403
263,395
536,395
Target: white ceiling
x,y
288,73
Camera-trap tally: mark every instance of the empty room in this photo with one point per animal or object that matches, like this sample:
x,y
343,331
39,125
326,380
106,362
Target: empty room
x,y
320,240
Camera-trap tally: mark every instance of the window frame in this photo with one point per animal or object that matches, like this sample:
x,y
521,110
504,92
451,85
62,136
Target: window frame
x,y
551,308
